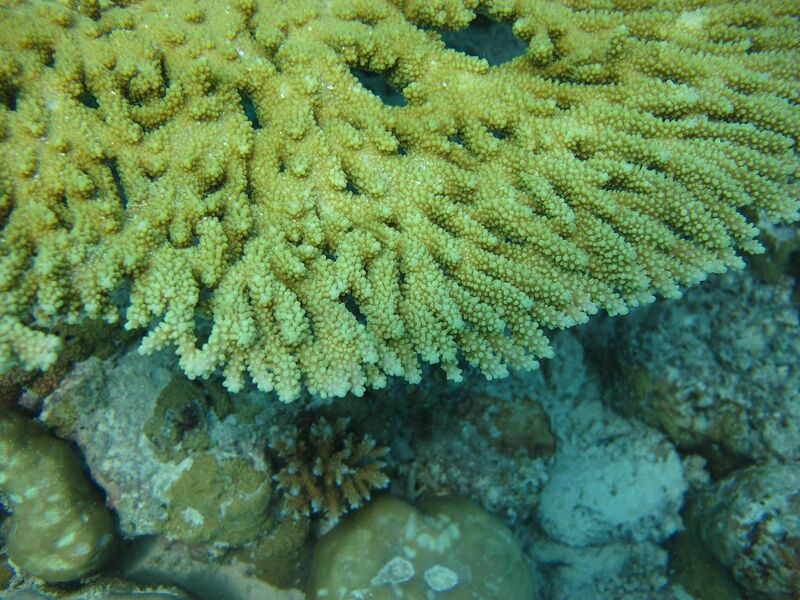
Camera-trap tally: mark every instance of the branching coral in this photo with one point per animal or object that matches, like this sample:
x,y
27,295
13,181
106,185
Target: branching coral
x,y
330,471
334,240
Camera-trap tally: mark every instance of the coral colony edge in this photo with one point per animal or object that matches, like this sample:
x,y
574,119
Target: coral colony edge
x,y
276,279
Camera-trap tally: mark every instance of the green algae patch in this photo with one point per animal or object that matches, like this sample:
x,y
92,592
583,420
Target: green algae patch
x,y
220,500
59,529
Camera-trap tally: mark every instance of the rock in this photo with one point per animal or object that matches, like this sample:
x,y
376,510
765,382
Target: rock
x,y
391,549
626,571
628,488
170,454
59,529
729,379
102,589
750,521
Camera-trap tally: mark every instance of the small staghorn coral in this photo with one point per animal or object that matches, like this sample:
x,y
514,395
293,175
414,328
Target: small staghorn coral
x,y
329,470
220,160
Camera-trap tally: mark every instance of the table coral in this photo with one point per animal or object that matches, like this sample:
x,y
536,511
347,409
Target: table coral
x,y
222,162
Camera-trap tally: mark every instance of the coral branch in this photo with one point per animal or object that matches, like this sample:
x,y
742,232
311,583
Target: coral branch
x,y
220,159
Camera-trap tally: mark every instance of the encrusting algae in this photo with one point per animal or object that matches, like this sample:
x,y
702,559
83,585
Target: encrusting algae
x,y
221,161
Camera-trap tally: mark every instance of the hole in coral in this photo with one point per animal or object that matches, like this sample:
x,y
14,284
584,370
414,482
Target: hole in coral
x,y
491,40
8,96
351,305
62,210
180,421
513,241
401,150
250,110
581,154
216,185
48,57
613,185
379,85
88,99
500,135
202,323
351,187
136,99
114,168
205,296
164,73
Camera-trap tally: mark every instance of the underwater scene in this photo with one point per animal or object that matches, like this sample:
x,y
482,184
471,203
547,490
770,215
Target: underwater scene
x,y
399,300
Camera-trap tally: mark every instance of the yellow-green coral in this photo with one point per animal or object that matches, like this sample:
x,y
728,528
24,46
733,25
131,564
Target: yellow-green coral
x,y
334,240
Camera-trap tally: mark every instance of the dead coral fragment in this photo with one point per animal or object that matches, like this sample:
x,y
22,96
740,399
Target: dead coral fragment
x,y
329,471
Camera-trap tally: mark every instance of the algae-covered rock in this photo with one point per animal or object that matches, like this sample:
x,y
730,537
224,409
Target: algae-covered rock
x,y
750,522
219,500
447,548
171,455
729,380
280,557
59,529
181,416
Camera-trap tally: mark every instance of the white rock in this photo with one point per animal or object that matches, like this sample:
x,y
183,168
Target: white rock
x,y
396,570
440,578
